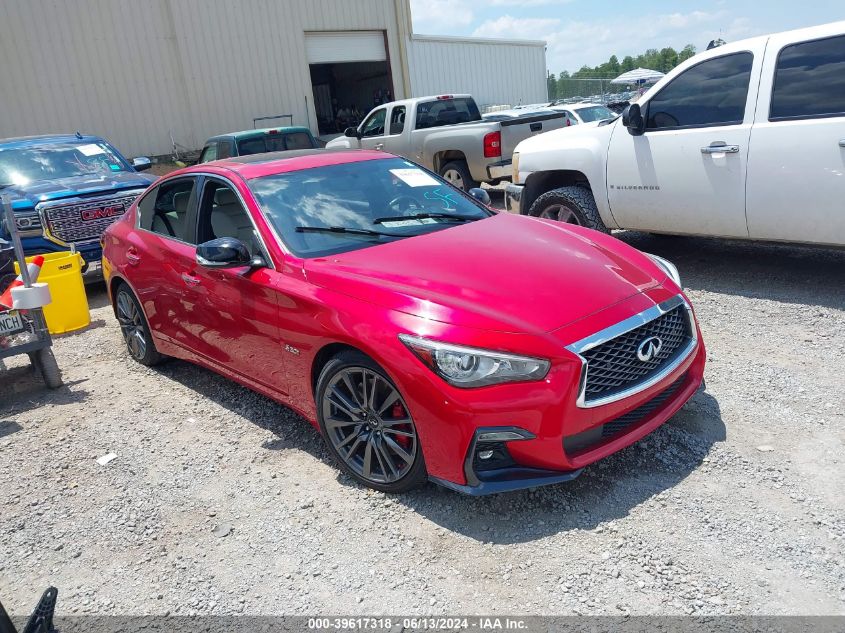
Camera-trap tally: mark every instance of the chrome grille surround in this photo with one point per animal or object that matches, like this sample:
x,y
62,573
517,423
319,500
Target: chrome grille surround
x,y
618,373
63,221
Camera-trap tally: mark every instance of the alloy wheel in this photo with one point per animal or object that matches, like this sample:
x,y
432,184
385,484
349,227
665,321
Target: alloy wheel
x,y
561,213
454,178
369,425
131,325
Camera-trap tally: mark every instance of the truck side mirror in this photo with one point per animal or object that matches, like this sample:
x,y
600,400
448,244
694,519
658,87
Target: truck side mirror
x,y
632,118
141,163
352,132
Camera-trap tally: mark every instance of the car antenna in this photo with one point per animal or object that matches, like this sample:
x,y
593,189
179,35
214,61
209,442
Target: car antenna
x,y
78,135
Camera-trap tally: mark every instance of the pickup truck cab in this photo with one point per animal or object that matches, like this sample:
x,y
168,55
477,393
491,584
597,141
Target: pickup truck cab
x,y
448,135
277,139
746,140
66,190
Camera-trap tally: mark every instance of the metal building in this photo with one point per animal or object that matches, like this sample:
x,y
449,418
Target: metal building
x,y
148,75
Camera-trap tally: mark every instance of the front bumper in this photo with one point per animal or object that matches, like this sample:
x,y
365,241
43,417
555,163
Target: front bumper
x,y
513,198
561,437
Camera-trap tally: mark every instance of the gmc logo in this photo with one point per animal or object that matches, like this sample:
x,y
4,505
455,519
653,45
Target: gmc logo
x,y
102,212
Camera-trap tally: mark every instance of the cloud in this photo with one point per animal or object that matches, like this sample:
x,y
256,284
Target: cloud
x,y
516,28
441,17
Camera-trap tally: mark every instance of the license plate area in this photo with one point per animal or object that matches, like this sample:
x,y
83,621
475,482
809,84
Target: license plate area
x,y
11,322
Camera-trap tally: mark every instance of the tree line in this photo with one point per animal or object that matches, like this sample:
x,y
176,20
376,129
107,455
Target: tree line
x,y
568,84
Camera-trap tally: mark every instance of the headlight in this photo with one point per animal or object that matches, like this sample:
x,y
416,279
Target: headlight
x,y
472,367
515,165
668,267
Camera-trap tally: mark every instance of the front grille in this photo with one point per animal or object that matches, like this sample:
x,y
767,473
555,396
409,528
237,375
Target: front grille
x,y
589,439
613,366
83,221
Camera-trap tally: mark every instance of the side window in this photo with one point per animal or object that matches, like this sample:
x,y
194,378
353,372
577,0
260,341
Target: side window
x,y
221,214
570,118
209,153
713,92
164,210
224,149
397,120
374,125
810,80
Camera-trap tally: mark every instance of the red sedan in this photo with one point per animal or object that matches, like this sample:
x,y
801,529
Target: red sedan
x,y
425,335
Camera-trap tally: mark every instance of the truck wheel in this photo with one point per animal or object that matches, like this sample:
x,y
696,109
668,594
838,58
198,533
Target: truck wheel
x,y
573,205
456,173
46,364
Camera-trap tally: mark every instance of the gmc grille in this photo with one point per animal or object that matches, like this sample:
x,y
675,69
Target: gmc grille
x,y
614,366
81,221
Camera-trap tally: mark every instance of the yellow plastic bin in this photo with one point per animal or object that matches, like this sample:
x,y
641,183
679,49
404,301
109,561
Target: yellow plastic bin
x,y
62,272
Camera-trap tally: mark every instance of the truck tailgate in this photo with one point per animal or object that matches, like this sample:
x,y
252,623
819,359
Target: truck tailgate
x,y
520,128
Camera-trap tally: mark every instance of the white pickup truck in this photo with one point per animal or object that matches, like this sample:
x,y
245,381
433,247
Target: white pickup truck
x,y
447,135
744,141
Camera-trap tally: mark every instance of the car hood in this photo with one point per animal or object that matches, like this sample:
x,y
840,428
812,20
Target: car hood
x,y
567,137
41,190
506,273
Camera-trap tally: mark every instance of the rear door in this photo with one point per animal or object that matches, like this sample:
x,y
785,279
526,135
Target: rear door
x,y
159,251
686,173
796,170
395,139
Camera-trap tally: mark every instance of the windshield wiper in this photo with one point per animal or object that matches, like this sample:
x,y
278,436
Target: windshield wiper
x,y
425,216
346,230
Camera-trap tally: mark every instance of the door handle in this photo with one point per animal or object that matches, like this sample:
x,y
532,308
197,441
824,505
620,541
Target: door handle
x,y
379,146
132,257
842,142
720,147
190,280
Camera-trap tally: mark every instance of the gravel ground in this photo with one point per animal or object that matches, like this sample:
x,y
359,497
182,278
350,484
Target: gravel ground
x,y
220,501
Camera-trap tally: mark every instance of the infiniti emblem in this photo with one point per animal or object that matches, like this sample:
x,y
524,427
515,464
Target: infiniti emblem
x,y
649,348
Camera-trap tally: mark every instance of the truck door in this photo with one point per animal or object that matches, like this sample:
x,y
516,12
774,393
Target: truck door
x,y
796,170
686,173
395,140
373,128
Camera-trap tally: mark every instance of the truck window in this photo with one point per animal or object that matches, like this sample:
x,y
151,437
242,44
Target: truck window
x,y
810,80
374,125
713,92
298,140
397,120
446,112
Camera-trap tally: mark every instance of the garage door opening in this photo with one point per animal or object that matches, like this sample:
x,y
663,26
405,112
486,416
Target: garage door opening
x,y
350,74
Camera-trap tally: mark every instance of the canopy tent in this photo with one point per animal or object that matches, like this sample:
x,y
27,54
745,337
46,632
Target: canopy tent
x,y
638,76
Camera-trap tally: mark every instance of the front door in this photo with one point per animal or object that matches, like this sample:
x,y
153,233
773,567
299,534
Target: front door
x,y
237,312
686,173
372,130
796,171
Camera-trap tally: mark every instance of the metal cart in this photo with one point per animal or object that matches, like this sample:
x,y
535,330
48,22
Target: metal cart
x,y
25,332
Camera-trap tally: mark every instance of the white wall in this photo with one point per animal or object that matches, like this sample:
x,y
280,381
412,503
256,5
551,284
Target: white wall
x,y
494,72
133,70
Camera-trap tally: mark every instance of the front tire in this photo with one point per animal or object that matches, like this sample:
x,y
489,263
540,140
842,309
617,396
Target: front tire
x,y
572,205
457,174
367,425
134,327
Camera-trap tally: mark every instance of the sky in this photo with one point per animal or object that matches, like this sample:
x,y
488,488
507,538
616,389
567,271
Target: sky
x,y
580,32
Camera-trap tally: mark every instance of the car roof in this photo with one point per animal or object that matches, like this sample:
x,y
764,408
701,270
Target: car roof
x,y
42,139
243,134
271,163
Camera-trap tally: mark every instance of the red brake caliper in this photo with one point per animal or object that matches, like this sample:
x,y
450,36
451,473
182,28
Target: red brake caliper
x,y
398,411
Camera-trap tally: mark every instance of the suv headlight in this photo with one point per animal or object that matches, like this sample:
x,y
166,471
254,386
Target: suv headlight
x,y
668,267
515,166
468,367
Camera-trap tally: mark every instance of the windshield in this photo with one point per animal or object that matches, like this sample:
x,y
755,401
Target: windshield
x,y
275,142
50,161
381,200
595,113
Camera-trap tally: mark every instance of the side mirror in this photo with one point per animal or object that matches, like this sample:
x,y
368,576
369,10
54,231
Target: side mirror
x,y
224,252
632,118
481,195
141,163
352,132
